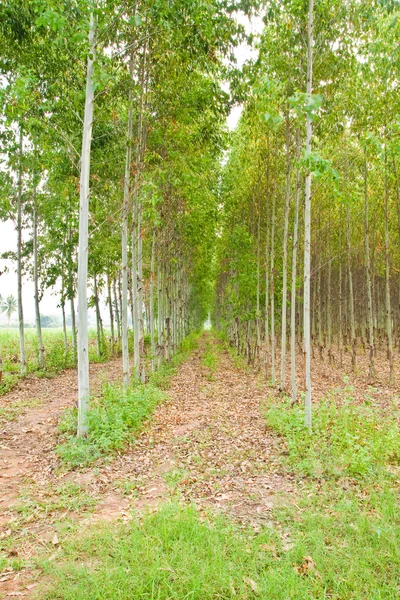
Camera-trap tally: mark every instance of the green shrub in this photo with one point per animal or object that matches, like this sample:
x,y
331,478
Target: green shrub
x,y
346,441
112,420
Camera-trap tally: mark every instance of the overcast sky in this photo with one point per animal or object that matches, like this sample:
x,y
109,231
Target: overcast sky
x,y
8,234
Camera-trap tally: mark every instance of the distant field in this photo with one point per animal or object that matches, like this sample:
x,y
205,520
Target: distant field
x,y
56,357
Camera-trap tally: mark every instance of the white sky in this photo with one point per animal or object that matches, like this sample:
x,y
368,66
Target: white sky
x,y
8,234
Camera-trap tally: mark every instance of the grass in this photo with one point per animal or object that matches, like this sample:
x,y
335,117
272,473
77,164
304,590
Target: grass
x,y
12,411
56,358
347,441
210,358
177,553
173,554
37,502
115,416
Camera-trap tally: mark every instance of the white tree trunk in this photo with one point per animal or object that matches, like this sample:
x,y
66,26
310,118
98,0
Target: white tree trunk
x,y
127,177
368,274
293,290
152,324
284,265
83,341
307,229
36,284
19,262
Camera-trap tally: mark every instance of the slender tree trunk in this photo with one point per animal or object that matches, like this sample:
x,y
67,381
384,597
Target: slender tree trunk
x,y
258,319
368,274
135,303
62,303
284,263
307,229
116,303
125,212
110,308
73,327
19,261
351,295
151,317
99,326
36,284
387,277
293,290
83,337
272,291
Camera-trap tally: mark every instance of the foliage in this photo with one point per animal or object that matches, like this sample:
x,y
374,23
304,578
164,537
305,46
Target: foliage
x,y
347,440
56,358
113,419
117,414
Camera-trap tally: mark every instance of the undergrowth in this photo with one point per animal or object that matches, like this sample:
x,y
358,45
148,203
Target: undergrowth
x,y
179,553
117,415
56,356
210,358
346,441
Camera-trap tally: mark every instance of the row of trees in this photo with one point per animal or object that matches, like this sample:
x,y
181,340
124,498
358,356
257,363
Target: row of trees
x,y
113,125
334,287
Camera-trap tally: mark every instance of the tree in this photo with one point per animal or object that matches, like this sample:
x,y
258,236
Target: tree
x,y
8,306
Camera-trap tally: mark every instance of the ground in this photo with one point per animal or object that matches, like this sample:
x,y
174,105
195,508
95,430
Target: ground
x,y
207,444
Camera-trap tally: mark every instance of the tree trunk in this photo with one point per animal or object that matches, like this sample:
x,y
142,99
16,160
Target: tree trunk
x,y
151,316
284,263
351,295
387,278
125,211
110,308
36,284
99,326
272,291
307,229
293,290
19,262
368,274
83,338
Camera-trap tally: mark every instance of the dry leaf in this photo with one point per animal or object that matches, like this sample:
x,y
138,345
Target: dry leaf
x,y
252,584
54,541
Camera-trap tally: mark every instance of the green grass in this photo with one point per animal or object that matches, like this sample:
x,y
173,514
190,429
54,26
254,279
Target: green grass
x,y
115,417
56,358
12,411
347,441
210,358
177,554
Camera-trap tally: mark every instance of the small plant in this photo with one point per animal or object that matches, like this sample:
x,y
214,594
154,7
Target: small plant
x,y
117,415
346,441
112,420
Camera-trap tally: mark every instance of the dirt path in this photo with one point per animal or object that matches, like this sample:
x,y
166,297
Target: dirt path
x,y
26,443
206,444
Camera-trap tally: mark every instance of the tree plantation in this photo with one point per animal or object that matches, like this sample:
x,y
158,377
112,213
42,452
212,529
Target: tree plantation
x,y
151,456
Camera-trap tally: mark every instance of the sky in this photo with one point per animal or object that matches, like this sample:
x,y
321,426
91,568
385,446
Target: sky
x,y
8,234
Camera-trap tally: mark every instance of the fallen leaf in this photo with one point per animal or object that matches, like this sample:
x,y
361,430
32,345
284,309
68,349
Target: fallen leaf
x,y
252,584
54,541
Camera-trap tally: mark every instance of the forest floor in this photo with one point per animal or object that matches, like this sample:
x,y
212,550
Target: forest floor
x,y
208,445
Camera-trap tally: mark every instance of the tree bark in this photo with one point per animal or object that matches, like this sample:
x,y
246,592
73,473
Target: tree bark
x,y
83,338
284,263
19,261
307,230
36,284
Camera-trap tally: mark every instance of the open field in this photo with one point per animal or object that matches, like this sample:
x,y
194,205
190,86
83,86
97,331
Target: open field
x,y
57,357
